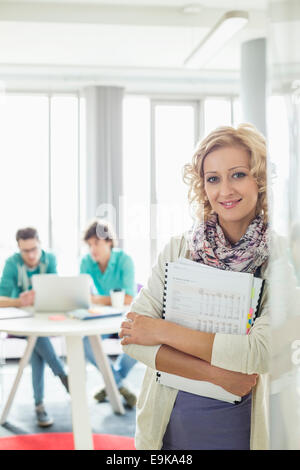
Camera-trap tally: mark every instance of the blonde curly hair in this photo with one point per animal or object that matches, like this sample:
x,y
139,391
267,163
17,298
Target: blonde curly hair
x,y
245,136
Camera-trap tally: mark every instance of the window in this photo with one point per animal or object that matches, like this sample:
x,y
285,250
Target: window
x,y
136,203
39,173
237,112
64,182
24,176
217,112
174,142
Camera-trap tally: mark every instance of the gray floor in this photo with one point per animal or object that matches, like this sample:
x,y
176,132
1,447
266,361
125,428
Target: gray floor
x,y
21,419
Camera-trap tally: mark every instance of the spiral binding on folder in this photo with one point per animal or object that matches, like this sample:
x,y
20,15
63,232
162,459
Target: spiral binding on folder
x,y
165,292
164,306
257,311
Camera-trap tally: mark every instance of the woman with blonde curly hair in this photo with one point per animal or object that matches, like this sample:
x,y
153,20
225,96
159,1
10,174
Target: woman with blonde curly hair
x,y
227,184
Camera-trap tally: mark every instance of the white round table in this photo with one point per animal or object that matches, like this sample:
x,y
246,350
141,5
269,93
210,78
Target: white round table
x,y
74,331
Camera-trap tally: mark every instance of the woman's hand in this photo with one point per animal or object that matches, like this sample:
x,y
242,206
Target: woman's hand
x,y
235,382
148,331
140,329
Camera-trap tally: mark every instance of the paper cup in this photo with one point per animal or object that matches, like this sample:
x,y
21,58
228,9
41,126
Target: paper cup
x,y
117,298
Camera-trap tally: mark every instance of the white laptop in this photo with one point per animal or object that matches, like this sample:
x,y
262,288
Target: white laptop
x,y
54,293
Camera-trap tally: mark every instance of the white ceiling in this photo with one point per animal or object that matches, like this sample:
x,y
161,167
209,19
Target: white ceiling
x,y
235,4
39,38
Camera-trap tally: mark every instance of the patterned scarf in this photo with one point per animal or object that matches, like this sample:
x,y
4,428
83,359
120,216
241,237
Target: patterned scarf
x,y
209,246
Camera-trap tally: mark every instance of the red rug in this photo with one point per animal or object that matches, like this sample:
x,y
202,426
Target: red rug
x,y
63,441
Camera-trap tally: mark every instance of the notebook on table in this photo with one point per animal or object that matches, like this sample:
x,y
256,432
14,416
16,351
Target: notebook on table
x,y
8,313
96,312
212,300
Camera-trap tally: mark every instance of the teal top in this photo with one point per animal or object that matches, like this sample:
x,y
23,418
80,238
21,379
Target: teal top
x,y
16,275
119,273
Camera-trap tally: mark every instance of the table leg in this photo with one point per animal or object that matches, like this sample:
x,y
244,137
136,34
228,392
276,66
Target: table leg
x,y
23,363
104,367
83,438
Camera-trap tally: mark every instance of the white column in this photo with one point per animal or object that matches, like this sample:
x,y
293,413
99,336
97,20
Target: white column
x,y
253,83
104,113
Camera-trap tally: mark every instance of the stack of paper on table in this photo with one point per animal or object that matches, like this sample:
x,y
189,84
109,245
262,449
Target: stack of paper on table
x,y
7,313
212,300
97,311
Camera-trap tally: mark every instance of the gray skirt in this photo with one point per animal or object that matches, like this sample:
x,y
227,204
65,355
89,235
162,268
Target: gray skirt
x,y
207,424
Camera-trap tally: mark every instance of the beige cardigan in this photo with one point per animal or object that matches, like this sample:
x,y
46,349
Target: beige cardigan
x,y
242,353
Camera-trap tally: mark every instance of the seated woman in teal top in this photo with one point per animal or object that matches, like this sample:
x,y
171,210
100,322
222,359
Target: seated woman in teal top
x,y
110,268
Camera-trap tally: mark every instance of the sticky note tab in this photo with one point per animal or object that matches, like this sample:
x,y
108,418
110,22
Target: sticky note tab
x,y
57,317
249,320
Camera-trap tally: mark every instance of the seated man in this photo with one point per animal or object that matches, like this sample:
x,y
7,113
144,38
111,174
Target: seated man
x,y
110,268
16,291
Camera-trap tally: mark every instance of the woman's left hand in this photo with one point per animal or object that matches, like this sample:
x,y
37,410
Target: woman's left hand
x,y
140,329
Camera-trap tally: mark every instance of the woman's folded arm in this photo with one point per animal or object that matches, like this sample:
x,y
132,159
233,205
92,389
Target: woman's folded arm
x,y
175,362
167,359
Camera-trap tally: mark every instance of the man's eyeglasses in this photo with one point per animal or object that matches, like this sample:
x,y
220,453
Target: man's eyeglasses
x,y
30,250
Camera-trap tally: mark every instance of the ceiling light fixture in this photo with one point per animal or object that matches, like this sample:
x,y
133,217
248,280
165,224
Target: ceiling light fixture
x,y
225,29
